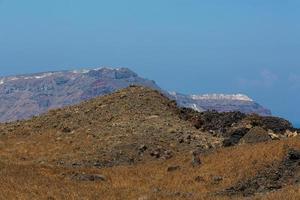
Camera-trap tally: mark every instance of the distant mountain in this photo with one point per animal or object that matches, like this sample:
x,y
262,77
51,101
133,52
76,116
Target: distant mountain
x,y
24,96
220,103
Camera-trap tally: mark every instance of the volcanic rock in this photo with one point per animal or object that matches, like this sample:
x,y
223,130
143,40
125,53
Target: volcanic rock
x,y
272,178
88,177
256,135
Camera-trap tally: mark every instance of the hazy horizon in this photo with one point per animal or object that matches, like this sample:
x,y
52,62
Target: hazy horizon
x,y
190,47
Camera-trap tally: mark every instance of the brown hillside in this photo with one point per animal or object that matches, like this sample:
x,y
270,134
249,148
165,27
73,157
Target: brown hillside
x,y
128,126
136,144
219,171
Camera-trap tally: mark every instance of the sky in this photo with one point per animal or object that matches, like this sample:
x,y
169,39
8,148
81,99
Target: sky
x,y
189,46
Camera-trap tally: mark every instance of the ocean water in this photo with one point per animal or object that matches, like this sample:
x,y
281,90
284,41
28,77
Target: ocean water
x,y
296,125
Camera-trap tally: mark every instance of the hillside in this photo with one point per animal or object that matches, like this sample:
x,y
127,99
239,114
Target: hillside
x,y
105,131
24,96
137,144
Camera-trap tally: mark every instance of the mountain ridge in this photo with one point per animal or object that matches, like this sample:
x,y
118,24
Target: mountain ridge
x,y
27,95
220,103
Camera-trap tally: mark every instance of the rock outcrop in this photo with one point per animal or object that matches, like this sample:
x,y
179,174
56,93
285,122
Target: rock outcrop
x,y
238,128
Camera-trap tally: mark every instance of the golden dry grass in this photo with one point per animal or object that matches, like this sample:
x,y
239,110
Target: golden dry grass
x,y
97,129
21,180
30,153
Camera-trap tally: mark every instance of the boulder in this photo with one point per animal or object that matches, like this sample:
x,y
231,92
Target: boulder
x,y
256,135
273,135
196,161
290,134
173,168
88,177
161,153
235,137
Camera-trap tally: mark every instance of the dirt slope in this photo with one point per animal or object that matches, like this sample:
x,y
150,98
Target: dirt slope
x,y
136,144
126,127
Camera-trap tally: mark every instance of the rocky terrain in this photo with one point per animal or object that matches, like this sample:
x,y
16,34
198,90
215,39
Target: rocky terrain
x,y
24,96
138,144
122,128
237,127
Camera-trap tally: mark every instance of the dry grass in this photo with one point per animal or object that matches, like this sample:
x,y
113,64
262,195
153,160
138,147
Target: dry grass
x,y
98,129
117,124
151,180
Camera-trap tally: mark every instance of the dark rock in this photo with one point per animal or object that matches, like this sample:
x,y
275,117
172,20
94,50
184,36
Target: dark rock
x,y
197,152
156,153
199,179
233,126
173,168
187,138
276,124
76,164
272,178
212,120
196,161
256,135
181,140
217,179
235,137
182,194
161,153
66,130
88,177
293,155
142,148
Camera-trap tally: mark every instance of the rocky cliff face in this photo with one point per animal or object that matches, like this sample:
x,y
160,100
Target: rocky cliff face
x,y
25,96
220,103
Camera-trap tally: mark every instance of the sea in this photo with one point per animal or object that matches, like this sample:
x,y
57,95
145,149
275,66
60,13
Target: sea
x,y
296,125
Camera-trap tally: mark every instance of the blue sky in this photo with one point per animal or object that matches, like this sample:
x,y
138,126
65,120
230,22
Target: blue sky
x,y
191,46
